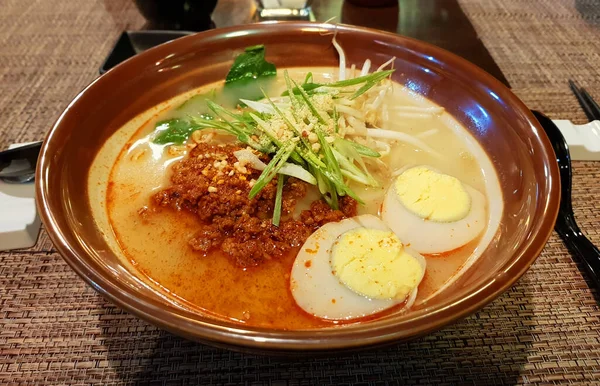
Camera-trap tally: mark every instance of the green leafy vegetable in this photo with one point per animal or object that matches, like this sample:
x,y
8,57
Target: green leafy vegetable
x,y
302,128
250,65
175,131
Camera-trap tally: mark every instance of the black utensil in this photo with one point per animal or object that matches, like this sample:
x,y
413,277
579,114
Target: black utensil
x,y
566,226
587,103
18,165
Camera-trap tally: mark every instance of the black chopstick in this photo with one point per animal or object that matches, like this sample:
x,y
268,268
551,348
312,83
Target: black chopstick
x,y
589,105
592,102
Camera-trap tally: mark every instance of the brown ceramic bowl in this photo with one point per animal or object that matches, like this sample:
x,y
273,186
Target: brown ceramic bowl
x,y
513,139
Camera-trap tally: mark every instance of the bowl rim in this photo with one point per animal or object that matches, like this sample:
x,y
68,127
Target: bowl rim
x,y
216,331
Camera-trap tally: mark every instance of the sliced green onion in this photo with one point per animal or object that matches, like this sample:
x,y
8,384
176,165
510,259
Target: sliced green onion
x,y
308,87
220,111
335,118
243,135
339,184
294,99
265,129
278,200
371,83
258,106
330,160
203,123
289,169
307,153
333,196
309,104
298,172
272,168
327,190
351,171
361,149
374,78
346,150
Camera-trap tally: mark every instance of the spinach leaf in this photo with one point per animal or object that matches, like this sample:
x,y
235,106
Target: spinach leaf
x,y
250,65
174,131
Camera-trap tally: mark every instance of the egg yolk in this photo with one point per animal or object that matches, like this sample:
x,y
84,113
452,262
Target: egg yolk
x,y
432,195
373,263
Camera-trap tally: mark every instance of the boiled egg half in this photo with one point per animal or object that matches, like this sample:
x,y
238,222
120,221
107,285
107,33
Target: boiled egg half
x,y
433,212
354,268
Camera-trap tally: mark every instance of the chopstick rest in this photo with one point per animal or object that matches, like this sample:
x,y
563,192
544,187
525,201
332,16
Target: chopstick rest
x,y
583,140
19,220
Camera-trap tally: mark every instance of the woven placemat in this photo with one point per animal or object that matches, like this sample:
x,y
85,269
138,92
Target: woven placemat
x,y
56,330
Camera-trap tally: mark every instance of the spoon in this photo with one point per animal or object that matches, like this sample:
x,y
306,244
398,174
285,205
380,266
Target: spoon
x,y
17,165
566,226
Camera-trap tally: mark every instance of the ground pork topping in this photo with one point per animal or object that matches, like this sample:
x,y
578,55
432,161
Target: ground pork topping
x,y
211,183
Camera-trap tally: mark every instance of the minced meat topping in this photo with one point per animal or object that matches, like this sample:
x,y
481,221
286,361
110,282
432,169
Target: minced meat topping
x,y
214,186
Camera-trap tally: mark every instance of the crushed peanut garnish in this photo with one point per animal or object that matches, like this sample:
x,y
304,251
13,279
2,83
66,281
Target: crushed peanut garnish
x,y
240,167
177,150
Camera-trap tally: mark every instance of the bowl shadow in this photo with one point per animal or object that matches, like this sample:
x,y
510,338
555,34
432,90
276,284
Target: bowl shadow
x,y
489,347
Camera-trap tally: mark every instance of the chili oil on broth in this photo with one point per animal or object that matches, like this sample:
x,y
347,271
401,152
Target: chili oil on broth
x,y
156,249
156,246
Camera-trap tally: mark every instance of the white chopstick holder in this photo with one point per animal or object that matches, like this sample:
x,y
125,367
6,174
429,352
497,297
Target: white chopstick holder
x,y
19,220
583,140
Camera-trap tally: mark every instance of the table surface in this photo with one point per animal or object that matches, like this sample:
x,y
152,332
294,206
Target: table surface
x,y
54,329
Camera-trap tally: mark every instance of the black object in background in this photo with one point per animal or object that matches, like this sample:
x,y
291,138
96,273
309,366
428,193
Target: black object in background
x,y
188,15
131,43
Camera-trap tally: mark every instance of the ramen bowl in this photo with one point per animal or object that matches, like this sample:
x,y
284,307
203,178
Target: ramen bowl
x,y
502,125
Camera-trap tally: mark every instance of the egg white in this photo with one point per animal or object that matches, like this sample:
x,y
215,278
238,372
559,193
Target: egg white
x,y
429,237
313,285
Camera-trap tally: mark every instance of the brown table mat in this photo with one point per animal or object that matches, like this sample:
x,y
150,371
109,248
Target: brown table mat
x,y
56,330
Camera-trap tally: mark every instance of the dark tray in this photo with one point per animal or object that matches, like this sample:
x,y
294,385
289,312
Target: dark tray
x,y
131,43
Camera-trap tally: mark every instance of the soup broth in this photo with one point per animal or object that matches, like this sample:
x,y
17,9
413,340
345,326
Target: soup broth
x,y
155,244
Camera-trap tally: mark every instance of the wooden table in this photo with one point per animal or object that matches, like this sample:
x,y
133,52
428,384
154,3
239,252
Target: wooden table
x,y
546,329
